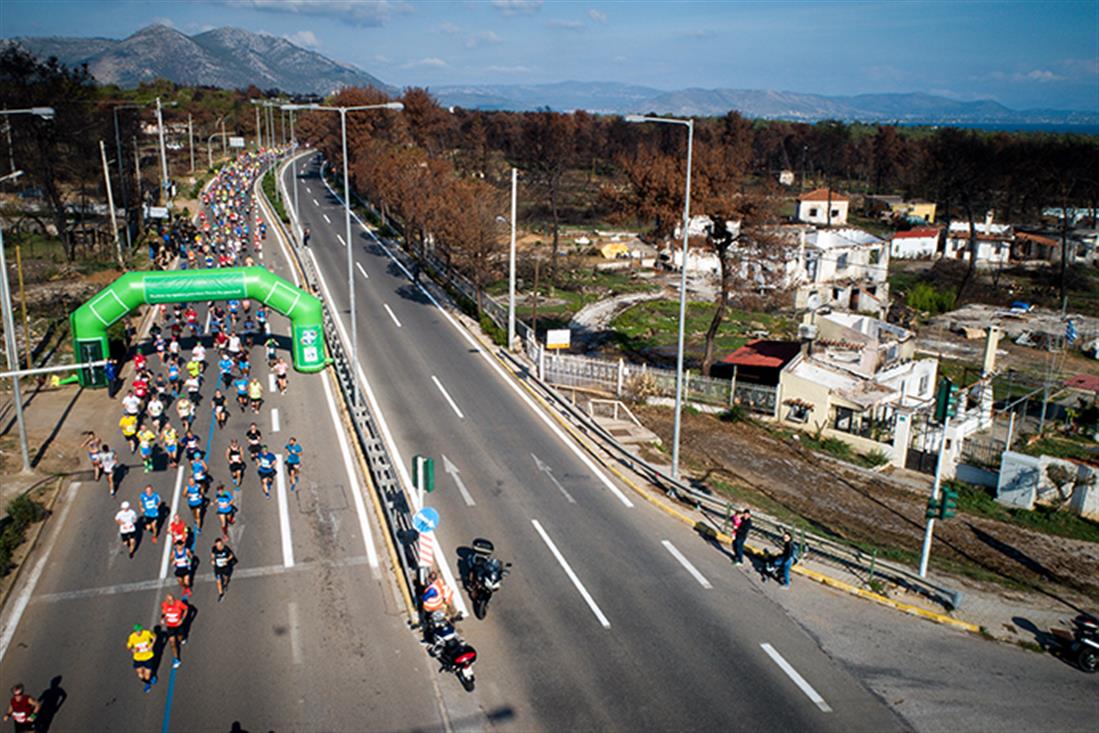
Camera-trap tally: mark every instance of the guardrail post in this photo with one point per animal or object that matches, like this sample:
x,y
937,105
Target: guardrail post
x,y
541,363
873,564
621,378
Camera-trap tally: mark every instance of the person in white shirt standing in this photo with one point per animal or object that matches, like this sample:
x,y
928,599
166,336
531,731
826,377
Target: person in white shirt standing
x,y
126,519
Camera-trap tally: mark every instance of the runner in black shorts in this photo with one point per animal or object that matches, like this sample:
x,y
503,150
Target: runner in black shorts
x,y
220,413
222,559
255,441
234,454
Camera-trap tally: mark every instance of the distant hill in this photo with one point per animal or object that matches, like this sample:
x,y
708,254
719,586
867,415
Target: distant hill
x,y
611,97
224,57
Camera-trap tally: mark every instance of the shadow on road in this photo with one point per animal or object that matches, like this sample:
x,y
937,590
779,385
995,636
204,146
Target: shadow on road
x,y
51,701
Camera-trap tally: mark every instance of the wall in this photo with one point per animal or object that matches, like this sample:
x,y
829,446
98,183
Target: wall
x,y
912,248
1024,482
838,219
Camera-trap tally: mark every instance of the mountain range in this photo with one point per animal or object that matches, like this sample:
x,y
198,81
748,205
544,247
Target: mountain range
x,y
224,57
235,58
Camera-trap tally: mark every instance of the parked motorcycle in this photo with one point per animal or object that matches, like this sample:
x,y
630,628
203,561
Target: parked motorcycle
x,y
485,575
454,654
1084,647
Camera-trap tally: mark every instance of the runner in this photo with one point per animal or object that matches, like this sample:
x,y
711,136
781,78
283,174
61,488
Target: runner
x,y
190,444
155,411
221,415
108,461
241,383
223,559
146,440
281,368
293,463
22,710
200,472
225,370
171,445
196,500
186,411
244,365
177,528
126,519
93,446
255,441
141,644
266,465
234,454
150,510
227,512
255,395
193,385
271,345
174,612
131,404
183,562
128,424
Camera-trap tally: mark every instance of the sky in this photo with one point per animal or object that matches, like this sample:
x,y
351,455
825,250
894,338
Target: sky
x,y
1030,54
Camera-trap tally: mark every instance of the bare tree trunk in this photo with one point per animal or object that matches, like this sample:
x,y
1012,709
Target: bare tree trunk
x,y
556,235
971,270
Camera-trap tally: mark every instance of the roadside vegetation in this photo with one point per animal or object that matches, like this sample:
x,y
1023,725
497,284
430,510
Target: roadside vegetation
x,y
22,513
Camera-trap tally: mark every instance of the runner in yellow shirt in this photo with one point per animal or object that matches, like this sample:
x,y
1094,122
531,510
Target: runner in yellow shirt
x,y
146,440
128,424
141,644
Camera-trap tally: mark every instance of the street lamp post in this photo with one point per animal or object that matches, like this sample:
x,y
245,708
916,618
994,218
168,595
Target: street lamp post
x,y
511,259
46,113
347,226
690,125
294,170
163,155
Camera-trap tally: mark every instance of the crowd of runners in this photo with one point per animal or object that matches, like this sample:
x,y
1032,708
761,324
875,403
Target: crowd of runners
x,y
171,385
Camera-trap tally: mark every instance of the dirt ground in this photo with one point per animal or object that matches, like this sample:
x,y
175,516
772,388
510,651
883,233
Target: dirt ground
x,y
854,506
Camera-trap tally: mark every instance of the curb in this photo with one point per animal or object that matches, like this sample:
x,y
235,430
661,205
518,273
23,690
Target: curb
x,y
32,543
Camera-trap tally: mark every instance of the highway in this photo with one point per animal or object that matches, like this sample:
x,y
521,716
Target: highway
x,y
312,634
614,617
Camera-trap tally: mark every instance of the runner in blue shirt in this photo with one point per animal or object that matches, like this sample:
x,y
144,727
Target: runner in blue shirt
x,y
150,510
241,383
225,368
226,510
199,469
293,462
267,464
195,500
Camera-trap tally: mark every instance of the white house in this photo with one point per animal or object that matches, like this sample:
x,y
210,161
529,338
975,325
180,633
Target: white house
x,y
993,241
840,268
813,207
915,244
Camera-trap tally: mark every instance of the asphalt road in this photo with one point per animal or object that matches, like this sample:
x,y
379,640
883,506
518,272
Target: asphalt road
x,y
311,635
614,617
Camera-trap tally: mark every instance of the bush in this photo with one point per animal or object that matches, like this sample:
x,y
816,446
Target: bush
x,y
876,458
497,334
22,512
734,414
926,298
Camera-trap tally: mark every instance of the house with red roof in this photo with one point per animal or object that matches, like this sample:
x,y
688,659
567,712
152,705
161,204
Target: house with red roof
x,y
823,206
919,243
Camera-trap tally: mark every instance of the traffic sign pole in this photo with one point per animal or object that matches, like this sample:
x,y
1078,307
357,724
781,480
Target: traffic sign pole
x,y
929,530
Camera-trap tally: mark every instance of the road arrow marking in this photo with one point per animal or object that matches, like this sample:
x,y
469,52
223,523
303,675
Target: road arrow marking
x,y
451,470
549,474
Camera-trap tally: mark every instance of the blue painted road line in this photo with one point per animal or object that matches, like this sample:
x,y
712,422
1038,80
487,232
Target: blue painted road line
x,y
166,723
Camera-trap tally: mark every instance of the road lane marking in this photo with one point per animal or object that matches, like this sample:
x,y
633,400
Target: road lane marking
x,y
570,444
451,470
20,601
390,312
362,270
686,563
238,573
797,678
206,328
284,513
352,478
326,218
308,190
295,631
387,435
165,723
274,419
453,406
315,202
572,576
271,383
549,473
340,237
174,509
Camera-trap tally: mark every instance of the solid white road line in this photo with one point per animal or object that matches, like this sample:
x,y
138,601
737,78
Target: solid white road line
x,y
175,508
453,406
686,563
295,631
274,419
340,237
362,270
387,435
352,477
19,603
390,312
572,576
549,423
271,383
284,513
797,678
326,218
206,328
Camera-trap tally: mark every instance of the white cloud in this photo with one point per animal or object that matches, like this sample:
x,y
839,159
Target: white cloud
x,y
484,38
1034,75
514,7
449,28
163,21
565,25
509,69
431,62
307,39
379,58
367,13
597,16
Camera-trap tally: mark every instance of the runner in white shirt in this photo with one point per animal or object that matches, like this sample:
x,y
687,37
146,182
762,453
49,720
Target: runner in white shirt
x,y
131,404
234,344
155,410
199,354
193,385
126,519
280,370
108,461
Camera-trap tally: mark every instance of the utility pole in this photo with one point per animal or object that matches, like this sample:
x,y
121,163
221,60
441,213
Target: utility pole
x,y
163,156
13,358
929,530
140,199
191,140
259,135
23,304
511,260
11,149
224,152
122,179
110,206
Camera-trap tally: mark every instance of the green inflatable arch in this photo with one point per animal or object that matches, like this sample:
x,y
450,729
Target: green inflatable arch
x,y
90,321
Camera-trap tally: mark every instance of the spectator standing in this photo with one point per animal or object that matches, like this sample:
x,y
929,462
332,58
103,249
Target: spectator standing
x,y
740,536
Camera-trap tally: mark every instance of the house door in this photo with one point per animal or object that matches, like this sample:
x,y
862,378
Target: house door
x,y
854,303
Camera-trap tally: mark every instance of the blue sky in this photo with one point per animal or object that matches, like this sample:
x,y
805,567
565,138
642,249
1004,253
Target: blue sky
x,y
1036,53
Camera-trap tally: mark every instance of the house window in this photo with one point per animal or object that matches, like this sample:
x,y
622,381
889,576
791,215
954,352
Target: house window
x,y
835,213
798,413
841,262
835,294
923,384
813,212
875,256
845,418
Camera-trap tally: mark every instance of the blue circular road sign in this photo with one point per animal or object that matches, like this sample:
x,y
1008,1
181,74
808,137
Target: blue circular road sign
x,y
425,520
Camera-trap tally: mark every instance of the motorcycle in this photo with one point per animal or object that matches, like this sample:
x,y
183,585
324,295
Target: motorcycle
x,y
1084,647
484,577
454,654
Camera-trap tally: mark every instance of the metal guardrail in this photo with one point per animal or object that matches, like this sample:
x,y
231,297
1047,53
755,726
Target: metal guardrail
x,y
863,564
398,510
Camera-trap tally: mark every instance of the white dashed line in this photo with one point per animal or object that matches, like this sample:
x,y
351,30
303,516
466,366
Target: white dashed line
x,y
315,203
390,312
686,563
362,270
448,398
284,513
572,576
274,419
339,237
797,678
326,218
271,383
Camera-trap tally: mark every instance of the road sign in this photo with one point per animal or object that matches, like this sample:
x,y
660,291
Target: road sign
x,y
236,142
156,212
423,473
425,520
558,338
425,550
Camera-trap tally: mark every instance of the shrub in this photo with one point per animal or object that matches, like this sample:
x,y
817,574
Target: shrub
x,y
22,512
926,298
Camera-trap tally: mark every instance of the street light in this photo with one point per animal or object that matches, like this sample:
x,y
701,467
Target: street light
x,y
347,223
690,124
45,113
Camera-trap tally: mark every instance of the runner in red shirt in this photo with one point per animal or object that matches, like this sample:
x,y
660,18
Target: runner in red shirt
x,y
173,613
141,387
177,528
139,362
22,709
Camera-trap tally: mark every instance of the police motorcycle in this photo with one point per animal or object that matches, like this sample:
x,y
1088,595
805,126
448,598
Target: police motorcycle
x,y
453,653
485,575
